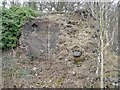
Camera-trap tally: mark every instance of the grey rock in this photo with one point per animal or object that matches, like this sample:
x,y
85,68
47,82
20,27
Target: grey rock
x,y
39,36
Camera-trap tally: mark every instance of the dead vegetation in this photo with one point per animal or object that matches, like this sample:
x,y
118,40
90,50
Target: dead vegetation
x,y
29,69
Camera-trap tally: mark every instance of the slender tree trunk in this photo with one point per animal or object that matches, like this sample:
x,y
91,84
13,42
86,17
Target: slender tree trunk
x,y
101,43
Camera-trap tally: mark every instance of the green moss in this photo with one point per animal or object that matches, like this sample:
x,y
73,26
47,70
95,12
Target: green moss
x,y
59,81
77,61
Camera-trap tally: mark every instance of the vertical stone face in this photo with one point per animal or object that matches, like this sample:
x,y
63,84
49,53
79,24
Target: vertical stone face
x,y
40,37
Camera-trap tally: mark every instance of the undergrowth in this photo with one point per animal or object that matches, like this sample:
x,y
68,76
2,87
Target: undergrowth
x,y
12,20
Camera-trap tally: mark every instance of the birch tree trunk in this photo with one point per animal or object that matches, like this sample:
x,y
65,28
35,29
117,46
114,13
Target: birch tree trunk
x,y
101,43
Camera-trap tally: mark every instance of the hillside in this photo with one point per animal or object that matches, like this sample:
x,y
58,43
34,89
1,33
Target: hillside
x,y
45,55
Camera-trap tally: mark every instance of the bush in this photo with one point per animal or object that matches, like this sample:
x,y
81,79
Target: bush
x,y
12,20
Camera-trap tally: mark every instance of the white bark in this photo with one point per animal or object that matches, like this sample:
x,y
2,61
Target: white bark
x,y
101,43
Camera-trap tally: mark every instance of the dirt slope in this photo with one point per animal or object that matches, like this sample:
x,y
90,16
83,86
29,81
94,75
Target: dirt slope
x,y
59,70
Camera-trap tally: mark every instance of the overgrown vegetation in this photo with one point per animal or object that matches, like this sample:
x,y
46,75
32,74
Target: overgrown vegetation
x,y
12,20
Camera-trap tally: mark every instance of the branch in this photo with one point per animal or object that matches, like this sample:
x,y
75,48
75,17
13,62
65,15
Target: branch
x,y
107,44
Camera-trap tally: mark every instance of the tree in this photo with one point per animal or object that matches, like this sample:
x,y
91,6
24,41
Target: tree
x,y
105,12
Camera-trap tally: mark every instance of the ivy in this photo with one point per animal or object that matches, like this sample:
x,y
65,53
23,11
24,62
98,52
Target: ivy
x,y
12,20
